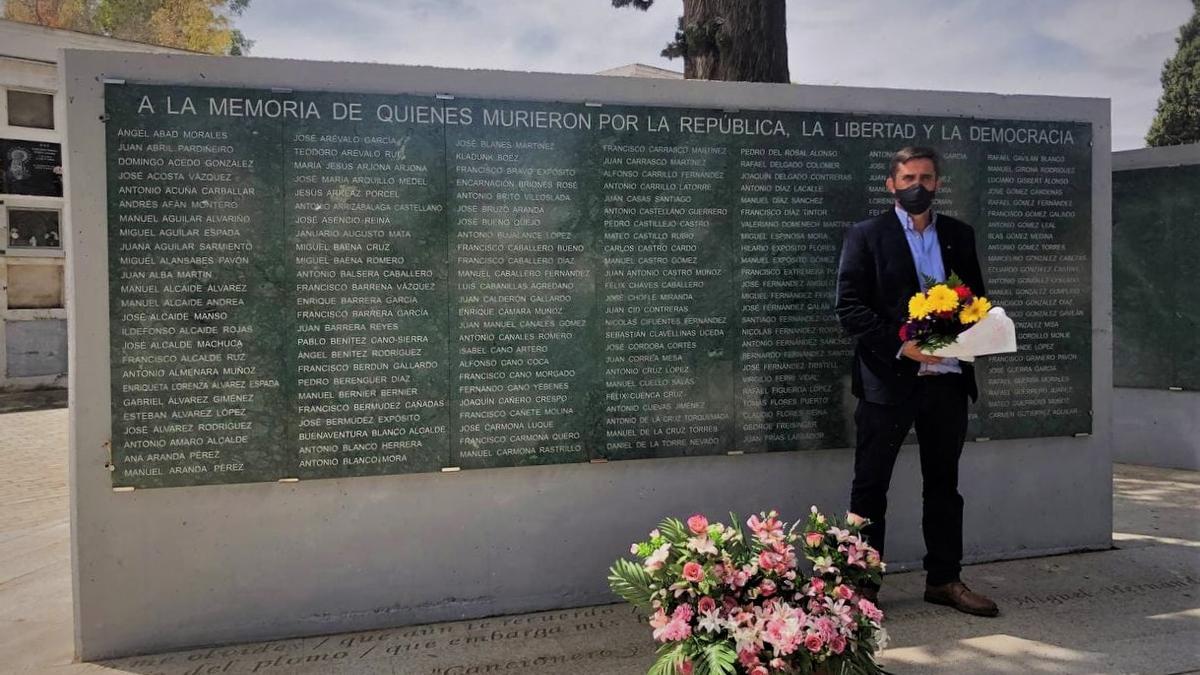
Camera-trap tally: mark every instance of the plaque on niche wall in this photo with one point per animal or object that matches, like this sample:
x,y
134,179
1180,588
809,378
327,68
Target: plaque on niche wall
x,y
30,168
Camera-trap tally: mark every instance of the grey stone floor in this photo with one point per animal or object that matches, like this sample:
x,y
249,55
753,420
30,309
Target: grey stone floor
x,y
1134,609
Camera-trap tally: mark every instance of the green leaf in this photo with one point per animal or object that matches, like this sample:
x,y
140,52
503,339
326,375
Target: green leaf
x,y
720,659
632,583
674,530
669,658
936,342
737,526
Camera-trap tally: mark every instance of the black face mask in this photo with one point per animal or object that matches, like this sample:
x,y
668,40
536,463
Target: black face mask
x,y
915,199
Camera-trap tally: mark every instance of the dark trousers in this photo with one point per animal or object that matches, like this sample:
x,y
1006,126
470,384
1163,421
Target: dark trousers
x,y
938,408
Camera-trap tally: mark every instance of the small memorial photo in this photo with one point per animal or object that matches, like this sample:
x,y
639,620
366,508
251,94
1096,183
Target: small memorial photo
x,y
33,228
30,168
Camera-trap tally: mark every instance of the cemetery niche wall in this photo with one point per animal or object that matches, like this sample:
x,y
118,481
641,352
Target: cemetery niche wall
x,y
312,284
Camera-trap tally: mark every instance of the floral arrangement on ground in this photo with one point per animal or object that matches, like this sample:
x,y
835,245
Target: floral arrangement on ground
x,y
767,599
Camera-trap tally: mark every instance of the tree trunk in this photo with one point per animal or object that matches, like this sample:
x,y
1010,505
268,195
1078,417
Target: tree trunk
x,y
743,40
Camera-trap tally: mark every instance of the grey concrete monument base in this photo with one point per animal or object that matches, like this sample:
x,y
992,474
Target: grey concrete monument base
x,y
1157,428
156,570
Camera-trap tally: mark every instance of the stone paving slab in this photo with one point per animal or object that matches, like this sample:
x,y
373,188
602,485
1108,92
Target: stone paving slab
x,y
1135,609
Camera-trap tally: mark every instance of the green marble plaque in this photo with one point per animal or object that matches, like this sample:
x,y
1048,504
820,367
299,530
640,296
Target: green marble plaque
x,y
322,284
197,288
1155,243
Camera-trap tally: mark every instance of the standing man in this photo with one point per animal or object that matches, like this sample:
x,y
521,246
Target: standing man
x,y
885,261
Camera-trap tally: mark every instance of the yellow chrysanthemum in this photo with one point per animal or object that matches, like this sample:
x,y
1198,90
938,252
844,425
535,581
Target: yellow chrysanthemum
x,y
918,307
942,299
975,311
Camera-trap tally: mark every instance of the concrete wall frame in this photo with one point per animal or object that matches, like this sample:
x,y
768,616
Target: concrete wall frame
x,y
162,569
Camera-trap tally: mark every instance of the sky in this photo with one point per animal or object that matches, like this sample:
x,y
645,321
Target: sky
x,y
1111,49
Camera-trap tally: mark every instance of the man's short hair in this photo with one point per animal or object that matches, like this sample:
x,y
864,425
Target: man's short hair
x,y
915,152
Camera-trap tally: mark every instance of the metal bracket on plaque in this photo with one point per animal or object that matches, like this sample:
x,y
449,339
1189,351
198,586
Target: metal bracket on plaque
x,y
451,469
112,80
736,452
982,439
592,104
1082,434
289,480
128,488
444,97
108,465
598,460
281,90
1174,388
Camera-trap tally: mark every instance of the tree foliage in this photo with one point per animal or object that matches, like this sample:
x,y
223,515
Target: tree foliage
x,y
68,14
728,39
1178,118
198,25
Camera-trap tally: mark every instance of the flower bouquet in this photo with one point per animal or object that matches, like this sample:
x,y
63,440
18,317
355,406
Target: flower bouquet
x,y
775,599
948,319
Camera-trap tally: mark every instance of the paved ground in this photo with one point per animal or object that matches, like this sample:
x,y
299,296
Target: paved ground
x,y
1135,609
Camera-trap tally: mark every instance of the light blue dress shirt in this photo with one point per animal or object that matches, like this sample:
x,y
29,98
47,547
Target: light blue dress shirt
x,y
927,258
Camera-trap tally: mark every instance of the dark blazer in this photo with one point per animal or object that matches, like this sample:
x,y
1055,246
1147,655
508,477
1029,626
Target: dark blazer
x,y
876,277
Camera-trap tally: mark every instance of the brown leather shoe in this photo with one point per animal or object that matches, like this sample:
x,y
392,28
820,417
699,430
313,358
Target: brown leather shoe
x,y
956,594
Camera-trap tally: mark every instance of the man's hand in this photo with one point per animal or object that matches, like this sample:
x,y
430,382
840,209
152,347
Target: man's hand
x,y
912,351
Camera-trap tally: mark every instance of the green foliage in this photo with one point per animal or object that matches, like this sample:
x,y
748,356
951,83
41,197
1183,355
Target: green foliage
x,y
719,659
736,526
952,281
239,44
674,530
197,25
670,656
1178,118
695,38
632,583
936,342
65,14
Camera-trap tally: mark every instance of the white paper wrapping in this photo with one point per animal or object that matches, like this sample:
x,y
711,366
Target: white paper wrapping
x,y
994,334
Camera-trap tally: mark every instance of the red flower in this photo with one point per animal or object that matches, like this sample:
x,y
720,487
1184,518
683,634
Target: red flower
x,y
905,331
964,293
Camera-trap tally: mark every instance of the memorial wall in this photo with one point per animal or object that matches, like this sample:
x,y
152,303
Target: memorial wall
x,y
318,284
384,277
